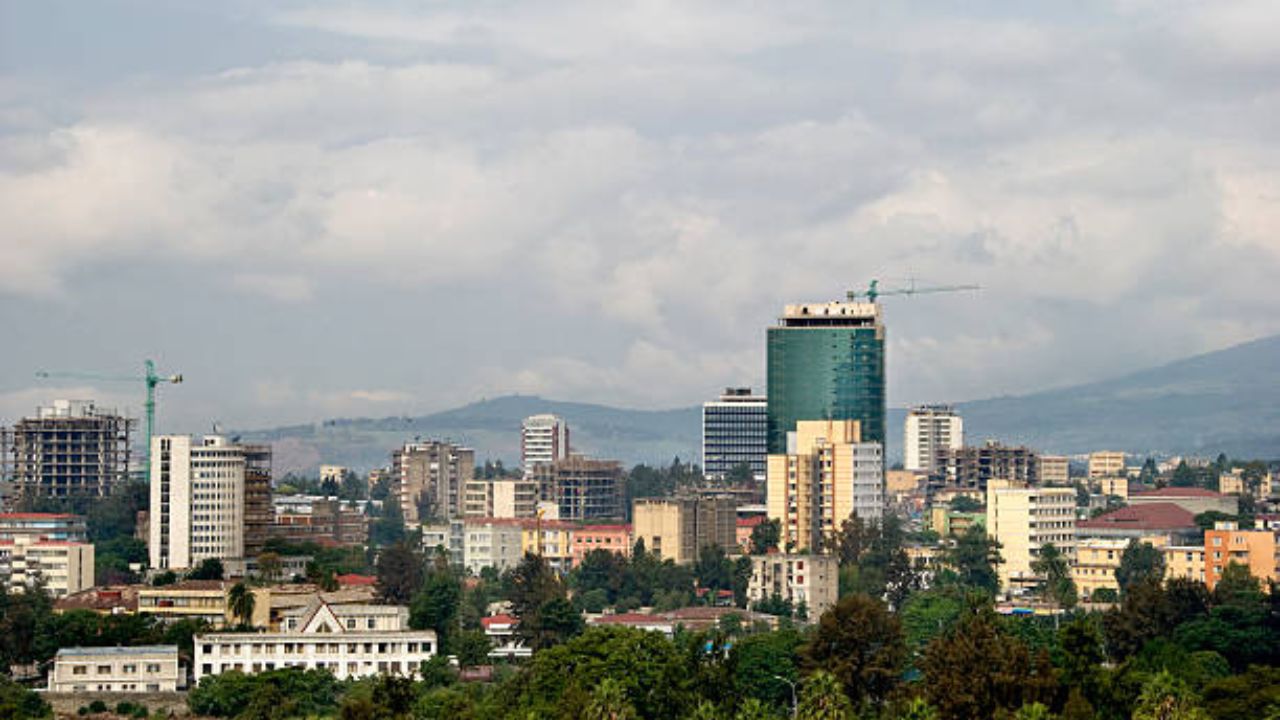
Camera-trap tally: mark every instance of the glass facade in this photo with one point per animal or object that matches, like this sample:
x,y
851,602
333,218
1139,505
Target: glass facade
x,y
826,369
734,432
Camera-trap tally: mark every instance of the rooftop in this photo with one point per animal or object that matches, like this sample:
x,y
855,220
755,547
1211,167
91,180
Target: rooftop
x,y
1178,492
1150,516
120,650
39,516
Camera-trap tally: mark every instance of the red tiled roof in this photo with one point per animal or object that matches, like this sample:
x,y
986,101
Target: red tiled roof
x,y
751,521
37,516
1150,516
1180,492
604,528
353,579
498,620
631,619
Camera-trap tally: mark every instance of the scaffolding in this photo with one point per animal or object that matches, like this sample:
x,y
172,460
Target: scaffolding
x,y
72,449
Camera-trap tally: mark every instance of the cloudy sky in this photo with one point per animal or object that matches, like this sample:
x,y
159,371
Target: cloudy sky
x,y
317,209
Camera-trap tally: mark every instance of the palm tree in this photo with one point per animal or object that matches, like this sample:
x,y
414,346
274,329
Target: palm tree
x,y
240,601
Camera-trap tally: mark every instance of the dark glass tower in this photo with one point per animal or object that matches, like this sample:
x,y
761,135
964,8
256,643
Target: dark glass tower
x,y
826,361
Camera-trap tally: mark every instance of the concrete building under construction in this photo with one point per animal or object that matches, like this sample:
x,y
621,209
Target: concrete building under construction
x,y
970,468
582,489
71,449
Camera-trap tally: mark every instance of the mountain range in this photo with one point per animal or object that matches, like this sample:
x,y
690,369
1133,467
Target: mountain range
x,y
1224,401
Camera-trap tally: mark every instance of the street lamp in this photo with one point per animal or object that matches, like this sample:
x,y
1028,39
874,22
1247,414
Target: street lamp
x,y
795,708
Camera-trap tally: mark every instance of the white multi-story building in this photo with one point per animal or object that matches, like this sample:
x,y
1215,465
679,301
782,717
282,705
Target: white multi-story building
x,y
1024,519
62,567
928,429
491,542
349,641
138,669
197,500
543,439
735,432
810,579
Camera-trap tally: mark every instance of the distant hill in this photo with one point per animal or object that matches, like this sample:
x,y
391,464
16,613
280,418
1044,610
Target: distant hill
x,y
1225,401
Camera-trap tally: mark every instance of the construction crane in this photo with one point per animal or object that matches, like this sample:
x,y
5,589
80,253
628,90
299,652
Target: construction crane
x,y
150,378
874,292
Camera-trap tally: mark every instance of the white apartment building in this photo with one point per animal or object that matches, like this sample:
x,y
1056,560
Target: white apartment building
x,y
928,429
349,641
197,500
827,475
543,439
1023,519
810,579
63,567
491,542
139,669
501,498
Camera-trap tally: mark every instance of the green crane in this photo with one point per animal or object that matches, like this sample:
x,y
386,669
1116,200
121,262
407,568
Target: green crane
x,y
149,377
874,292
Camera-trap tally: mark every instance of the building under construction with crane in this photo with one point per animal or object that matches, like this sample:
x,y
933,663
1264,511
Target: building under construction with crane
x,y
71,449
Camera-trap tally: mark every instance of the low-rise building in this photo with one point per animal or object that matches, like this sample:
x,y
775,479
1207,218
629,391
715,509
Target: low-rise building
x,y
62,567
501,498
552,539
205,600
1184,561
1192,499
1055,470
316,519
610,538
678,528
349,641
506,642
139,669
43,526
1114,487
1096,562
491,542
1155,523
947,522
810,579
1227,544
1106,463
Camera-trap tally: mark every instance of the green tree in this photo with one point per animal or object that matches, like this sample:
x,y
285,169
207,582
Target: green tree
x,y
973,560
1052,568
1140,562
19,703
759,660
917,709
208,569
555,622
766,536
1033,711
860,643
609,702
753,709
928,614
1165,697
822,699
399,572
472,648
435,605
270,568
241,602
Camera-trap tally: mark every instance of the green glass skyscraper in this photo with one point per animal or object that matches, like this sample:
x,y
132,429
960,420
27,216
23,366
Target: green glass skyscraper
x,y
826,361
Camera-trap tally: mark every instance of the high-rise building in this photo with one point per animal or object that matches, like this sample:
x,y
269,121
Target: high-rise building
x,y
971,468
1023,520
501,498
71,449
258,510
543,439
928,429
430,480
827,475
735,432
678,528
202,493
582,489
826,362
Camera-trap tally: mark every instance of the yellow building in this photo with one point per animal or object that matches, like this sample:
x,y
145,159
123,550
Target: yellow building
x,y
1231,483
1024,519
556,541
827,475
1106,463
1227,544
1184,561
947,522
201,599
677,528
1117,486
1097,560
1055,470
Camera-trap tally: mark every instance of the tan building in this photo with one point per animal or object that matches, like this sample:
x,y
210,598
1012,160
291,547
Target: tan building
x,y
201,600
1227,544
1106,463
1117,486
810,579
1055,470
64,567
947,522
552,539
138,669
1184,561
1192,499
501,498
1096,562
827,476
430,478
1024,519
677,528
1232,483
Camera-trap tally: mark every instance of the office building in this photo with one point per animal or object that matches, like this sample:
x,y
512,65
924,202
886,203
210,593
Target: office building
x,y
678,528
206,495
1106,463
827,474
137,669
349,641
71,449
970,468
552,539
1228,544
206,600
1023,520
430,478
735,432
543,439
501,498
62,567
43,526
928,429
1055,470
583,490
826,362
813,580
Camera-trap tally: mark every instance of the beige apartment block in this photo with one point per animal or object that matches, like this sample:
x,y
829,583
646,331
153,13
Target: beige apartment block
x,y
827,476
1106,463
200,600
501,498
677,528
139,669
1117,486
1231,483
1024,519
63,567
1055,470
1228,544
1184,561
810,579
1096,562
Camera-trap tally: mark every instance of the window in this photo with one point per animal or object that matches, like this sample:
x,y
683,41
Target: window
x,y
130,669
104,669
371,623
153,667
79,670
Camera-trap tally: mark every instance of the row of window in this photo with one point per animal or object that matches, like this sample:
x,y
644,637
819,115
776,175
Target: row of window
x,y
128,669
